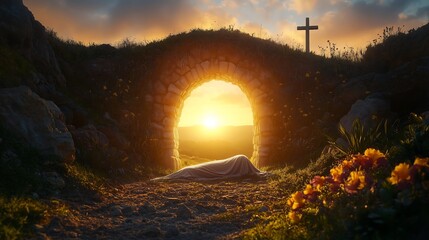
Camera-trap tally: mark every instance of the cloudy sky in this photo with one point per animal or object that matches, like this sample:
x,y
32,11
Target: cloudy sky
x,y
348,23
353,23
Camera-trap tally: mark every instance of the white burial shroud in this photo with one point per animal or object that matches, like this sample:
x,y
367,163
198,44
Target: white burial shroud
x,y
238,166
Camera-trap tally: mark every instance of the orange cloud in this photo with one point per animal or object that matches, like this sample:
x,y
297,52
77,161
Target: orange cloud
x,y
301,6
139,20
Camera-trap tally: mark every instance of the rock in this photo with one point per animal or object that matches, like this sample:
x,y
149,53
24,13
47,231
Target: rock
x,y
54,179
146,208
35,195
74,114
263,209
115,137
89,138
28,37
116,210
151,231
39,123
369,111
222,209
10,159
425,116
128,210
183,212
171,230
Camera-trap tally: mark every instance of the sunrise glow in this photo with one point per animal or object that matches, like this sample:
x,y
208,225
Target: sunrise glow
x,y
210,122
215,104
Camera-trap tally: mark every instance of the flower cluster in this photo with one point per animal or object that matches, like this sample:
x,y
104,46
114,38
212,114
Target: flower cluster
x,y
350,176
403,175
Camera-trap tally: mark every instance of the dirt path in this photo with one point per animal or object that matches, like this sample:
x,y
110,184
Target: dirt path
x,y
146,210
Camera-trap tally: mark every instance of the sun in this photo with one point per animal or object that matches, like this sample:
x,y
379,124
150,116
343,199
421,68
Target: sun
x,y
210,122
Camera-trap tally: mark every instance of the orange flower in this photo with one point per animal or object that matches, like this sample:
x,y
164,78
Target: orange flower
x,y
337,173
423,162
296,200
294,216
400,173
373,154
318,182
356,181
347,164
308,190
362,161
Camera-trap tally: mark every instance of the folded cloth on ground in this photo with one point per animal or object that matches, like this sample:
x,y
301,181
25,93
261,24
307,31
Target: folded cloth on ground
x,y
238,166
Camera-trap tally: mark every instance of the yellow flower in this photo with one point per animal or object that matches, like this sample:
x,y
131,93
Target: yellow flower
x,y
347,164
337,173
373,154
356,181
308,190
294,216
424,162
318,181
400,173
296,200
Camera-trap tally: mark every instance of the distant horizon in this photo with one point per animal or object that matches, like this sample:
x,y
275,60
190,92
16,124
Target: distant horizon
x,y
217,103
220,126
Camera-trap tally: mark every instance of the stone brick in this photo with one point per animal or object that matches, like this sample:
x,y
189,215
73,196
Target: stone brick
x,y
254,83
169,110
174,89
159,99
223,67
201,73
158,116
181,71
266,112
168,135
171,98
149,98
266,125
196,53
159,88
195,75
189,78
156,125
267,140
206,66
261,99
182,83
168,122
256,92
239,73
231,69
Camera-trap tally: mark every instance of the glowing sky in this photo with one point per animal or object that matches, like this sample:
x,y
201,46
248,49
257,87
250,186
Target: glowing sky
x,y
228,106
348,23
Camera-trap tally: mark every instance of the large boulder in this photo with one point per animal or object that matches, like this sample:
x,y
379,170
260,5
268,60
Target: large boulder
x,y
89,138
27,43
369,111
406,86
39,123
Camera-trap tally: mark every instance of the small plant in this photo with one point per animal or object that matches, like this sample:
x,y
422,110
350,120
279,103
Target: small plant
x,y
359,138
17,215
85,177
416,139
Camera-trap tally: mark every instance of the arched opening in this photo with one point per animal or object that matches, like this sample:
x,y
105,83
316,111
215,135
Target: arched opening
x,y
216,122
180,77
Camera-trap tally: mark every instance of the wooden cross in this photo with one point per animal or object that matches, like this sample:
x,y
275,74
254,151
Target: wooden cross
x,y
307,29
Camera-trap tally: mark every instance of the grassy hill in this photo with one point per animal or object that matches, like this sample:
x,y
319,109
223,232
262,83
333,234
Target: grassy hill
x,y
218,143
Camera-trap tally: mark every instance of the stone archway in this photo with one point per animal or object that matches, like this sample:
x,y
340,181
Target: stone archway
x,y
177,80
